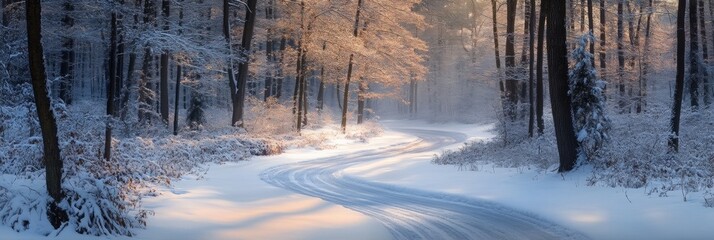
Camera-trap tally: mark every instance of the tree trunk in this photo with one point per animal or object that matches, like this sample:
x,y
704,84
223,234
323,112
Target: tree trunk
x,y
145,91
355,33
591,27
531,36
232,85
693,55
523,96
622,104
321,89
706,97
164,83
634,47
539,68
119,84
679,82
245,56
642,101
558,82
179,74
129,82
281,76
111,87
501,87
337,96
269,90
67,65
603,38
301,87
362,90
511,78
48,124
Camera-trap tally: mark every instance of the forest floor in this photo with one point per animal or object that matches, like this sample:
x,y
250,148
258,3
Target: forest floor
x,y
230,201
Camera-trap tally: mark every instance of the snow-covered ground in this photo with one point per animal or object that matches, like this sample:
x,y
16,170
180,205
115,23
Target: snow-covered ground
x,y
232,202
598,212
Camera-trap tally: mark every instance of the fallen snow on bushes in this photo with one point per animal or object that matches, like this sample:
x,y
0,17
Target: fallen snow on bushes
x,y
106,197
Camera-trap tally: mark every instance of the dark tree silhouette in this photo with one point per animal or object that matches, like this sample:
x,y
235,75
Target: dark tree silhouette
x,y
679,82
558,85
48,124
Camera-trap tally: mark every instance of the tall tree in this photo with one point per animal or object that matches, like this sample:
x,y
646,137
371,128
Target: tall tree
x,y
111,86
321,88
706,98
244,52
693,54
603,38
232,84
269,52
511,75
164,69
620,56
591,27
179,75
67,64
48,124
679,81
494,16
146,99
300,95
642,95
531,36
524,97
539,67
558,85
129,81
355,33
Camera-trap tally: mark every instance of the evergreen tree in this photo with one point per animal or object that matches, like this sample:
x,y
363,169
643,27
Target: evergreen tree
x,y
586,93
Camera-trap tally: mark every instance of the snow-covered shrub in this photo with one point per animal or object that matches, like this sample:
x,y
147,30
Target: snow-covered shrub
x,y
588,102
268,118
638,158
539,153
641,158
23,202
362,132
104,197
509,131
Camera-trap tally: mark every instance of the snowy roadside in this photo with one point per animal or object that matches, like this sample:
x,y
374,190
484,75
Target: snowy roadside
x,y
598,212
227,200
111,197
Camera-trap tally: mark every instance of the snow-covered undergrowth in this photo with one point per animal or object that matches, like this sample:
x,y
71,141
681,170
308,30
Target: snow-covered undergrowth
x,y
104,197
635,157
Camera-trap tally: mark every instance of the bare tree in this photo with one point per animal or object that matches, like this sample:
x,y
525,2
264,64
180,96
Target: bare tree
x,y
693,55
603,38
511,78
494,12
558,85
67,64
48,124
679,81
539,68
164,69
706,98
531,36
244,53
355,33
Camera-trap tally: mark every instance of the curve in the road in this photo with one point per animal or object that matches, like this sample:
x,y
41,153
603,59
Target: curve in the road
x,y
409,213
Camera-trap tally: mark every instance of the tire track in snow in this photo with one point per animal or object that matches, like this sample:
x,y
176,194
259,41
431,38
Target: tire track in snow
x,y
409,213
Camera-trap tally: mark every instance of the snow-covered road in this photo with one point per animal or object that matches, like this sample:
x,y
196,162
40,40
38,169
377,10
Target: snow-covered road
x,y
408,213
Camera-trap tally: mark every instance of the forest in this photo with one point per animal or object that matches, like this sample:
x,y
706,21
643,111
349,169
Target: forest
x,y
403,115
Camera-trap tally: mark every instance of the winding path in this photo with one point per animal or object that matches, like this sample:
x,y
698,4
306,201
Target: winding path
x,y
409,213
